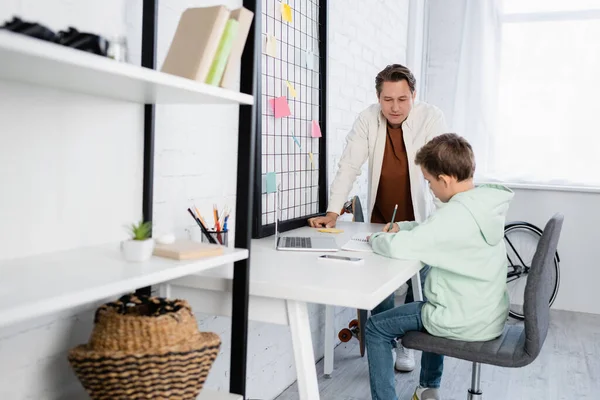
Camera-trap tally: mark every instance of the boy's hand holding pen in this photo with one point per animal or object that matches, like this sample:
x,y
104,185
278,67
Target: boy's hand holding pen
x,y
394,226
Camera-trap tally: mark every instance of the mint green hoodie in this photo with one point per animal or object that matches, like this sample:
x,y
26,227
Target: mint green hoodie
x,y
463,243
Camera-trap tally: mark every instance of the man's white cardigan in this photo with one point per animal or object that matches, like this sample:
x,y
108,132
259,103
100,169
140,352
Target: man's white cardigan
x,y
367,140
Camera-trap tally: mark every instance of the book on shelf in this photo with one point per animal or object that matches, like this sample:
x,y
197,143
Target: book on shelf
x,y
187,250
195,43
223,51
233,68
208,45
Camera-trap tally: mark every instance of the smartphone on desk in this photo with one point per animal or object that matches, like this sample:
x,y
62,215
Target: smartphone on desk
x,y
331,257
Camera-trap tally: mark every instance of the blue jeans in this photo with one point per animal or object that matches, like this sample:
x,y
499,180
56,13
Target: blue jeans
x,y
388,303
389,322
380,331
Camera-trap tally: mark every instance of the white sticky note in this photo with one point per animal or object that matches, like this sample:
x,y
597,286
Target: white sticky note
x,y
271,45
309,59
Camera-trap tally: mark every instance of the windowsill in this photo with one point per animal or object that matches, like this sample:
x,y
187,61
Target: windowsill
x,y
548,187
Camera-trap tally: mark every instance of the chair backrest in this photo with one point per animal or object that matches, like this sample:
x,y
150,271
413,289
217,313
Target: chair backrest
x,y
539,288
358,212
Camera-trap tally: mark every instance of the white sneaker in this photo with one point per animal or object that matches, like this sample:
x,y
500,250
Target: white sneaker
x,y
422,393
405,359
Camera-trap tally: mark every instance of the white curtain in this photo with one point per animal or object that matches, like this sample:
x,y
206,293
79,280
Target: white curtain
x,y
478,70
519,79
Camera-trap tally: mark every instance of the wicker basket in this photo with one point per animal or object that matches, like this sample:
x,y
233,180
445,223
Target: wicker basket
x,y
145,348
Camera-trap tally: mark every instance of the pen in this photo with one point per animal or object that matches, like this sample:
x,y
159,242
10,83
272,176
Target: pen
x,y
202,228
217,224
200,216
393,217
215,214
223,215
225,223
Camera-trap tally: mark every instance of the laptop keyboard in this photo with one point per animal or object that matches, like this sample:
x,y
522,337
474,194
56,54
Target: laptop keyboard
x,y
297,242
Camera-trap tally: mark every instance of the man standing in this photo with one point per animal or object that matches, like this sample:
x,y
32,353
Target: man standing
x,y
389,134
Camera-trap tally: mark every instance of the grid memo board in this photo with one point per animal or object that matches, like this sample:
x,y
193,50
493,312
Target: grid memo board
x,y
290,68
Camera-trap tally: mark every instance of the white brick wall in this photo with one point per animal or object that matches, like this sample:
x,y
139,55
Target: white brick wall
x,y
54,181
364,38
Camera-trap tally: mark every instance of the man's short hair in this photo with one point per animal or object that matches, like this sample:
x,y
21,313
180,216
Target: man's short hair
x,y
447,154
395,73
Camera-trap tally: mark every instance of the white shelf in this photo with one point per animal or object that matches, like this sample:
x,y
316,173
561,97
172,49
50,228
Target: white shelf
x,y
34,286
205,394
32,61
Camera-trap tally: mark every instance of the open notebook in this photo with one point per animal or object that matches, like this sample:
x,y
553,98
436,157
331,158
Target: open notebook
x,y
359,242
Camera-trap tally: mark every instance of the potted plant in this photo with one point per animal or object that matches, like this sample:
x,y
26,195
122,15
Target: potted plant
x,y
141,245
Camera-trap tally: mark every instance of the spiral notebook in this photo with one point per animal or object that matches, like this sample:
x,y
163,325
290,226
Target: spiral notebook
x,y
359,242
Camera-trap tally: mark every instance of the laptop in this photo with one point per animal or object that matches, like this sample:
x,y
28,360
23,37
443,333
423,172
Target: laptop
x,y
300,243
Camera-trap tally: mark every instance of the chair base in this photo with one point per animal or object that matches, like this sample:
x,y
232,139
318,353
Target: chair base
x,y
474,393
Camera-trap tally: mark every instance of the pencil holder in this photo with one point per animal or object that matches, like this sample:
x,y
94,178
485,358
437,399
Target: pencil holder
x,y
221,237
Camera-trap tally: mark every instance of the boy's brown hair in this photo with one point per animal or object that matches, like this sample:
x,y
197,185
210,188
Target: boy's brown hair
x,y
447,154
395,73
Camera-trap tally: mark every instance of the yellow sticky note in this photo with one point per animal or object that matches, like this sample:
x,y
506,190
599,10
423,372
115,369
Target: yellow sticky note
x,y
331,230
291,89
286,12
271,46
312,162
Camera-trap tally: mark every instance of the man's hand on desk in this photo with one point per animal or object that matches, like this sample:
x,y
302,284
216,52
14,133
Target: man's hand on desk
x,y
328,221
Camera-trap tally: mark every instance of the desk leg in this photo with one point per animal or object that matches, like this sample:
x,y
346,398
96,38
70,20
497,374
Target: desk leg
x,y
416,287
329,340
303,350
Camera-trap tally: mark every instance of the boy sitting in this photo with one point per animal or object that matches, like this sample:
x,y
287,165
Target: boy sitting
x,y
465,290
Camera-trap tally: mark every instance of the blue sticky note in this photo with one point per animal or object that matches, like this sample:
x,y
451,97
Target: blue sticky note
x,y
297,142
271,182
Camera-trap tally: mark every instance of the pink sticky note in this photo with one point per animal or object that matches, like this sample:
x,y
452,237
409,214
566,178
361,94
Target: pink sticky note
x,y
280,107
316,129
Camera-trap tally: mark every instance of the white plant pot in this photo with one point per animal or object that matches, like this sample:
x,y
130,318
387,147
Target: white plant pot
x,y
137,250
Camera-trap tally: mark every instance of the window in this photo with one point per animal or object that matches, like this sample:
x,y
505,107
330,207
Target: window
x,y
548,116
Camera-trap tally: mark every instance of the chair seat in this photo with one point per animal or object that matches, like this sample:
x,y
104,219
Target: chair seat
x,y
506,351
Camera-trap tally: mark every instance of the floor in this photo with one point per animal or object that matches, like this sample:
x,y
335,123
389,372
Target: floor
x,y
568,368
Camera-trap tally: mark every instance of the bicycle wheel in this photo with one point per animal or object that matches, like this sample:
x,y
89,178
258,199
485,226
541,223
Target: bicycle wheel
x,y
521,239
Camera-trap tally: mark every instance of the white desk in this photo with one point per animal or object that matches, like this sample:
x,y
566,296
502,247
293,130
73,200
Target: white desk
x,y
282,282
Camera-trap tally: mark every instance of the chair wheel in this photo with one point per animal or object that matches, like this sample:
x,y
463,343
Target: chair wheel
x,y
345,335
353,323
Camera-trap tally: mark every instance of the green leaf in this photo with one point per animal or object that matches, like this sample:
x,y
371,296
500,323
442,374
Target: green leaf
x,y
141,230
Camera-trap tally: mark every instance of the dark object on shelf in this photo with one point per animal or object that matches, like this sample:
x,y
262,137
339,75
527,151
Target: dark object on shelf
x,y
32,29
83,41
145,347
88,42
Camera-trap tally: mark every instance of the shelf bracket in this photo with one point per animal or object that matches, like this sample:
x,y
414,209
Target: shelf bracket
x,y
149,25
249,118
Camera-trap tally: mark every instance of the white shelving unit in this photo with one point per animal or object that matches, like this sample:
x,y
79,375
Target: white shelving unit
x,y
36,62
47,283
44,284
39,285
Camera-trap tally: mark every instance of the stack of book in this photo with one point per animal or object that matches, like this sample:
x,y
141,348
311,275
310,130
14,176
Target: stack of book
x,y
208,45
